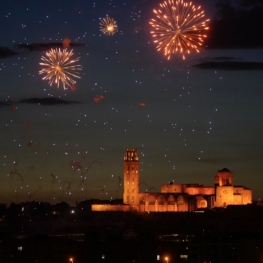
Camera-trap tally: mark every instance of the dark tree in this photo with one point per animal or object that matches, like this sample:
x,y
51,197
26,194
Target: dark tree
x,y
250,3
3,210
225,10
62,208
237,26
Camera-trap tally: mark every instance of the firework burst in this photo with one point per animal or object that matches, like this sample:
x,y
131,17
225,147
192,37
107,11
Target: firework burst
x,y
108,26
178,28
60,68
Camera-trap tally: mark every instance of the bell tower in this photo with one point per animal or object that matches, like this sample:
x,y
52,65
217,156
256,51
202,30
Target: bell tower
x,y
224,189
224,177
131,177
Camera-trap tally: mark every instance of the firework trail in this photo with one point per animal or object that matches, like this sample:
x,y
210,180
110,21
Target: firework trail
x,y
119,186
82,187
148,189
66,188
31,178
16,183
53,183
84,173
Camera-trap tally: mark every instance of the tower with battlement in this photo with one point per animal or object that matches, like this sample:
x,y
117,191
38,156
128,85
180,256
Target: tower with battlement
x,y
131,177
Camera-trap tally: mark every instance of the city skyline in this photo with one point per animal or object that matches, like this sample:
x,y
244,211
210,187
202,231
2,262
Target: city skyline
x,y
187,118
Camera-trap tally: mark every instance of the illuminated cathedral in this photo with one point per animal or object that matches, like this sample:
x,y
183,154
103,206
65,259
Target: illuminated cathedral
x,y
176,197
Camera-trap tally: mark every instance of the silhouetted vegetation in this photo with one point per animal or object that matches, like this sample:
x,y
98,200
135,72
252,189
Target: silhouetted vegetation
x,y
237,26
41,232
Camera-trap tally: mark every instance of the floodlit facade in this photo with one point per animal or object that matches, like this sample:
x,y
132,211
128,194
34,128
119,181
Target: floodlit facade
x,y
176,197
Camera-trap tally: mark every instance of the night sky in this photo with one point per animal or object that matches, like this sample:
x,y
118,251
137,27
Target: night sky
x,y
187,118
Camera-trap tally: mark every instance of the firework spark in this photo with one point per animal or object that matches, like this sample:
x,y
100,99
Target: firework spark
x,y
179,27
59,67
108,26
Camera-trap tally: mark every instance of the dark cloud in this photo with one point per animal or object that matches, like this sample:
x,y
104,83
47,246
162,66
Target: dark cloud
x,y
6,103
47,101
230,65
225,58
46,46
3,104
5,52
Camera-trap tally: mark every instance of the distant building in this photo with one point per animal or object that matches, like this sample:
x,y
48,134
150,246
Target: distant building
x,y
176,197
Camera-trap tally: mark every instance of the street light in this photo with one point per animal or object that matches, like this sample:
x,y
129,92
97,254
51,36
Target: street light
x,y
167,259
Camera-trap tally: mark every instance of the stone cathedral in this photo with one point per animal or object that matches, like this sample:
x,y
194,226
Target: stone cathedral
x,y
176,197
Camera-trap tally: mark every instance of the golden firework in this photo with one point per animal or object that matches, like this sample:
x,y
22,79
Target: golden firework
x,y
179,27
59,67
108,26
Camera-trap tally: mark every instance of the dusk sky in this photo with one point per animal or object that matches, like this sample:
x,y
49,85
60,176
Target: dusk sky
x,y
187,118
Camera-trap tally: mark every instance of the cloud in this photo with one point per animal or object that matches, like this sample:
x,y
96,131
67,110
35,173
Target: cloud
x,y
46,46
6,103
47,101
3,104
225,58
5,52
230,65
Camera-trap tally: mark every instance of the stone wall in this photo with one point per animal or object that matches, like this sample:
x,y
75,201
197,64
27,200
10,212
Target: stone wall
x,y
112,208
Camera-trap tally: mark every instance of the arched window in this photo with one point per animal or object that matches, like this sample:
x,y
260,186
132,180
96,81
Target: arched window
x,y
202,204
142,201
151,200
180,204
160,200
170,200
180,200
